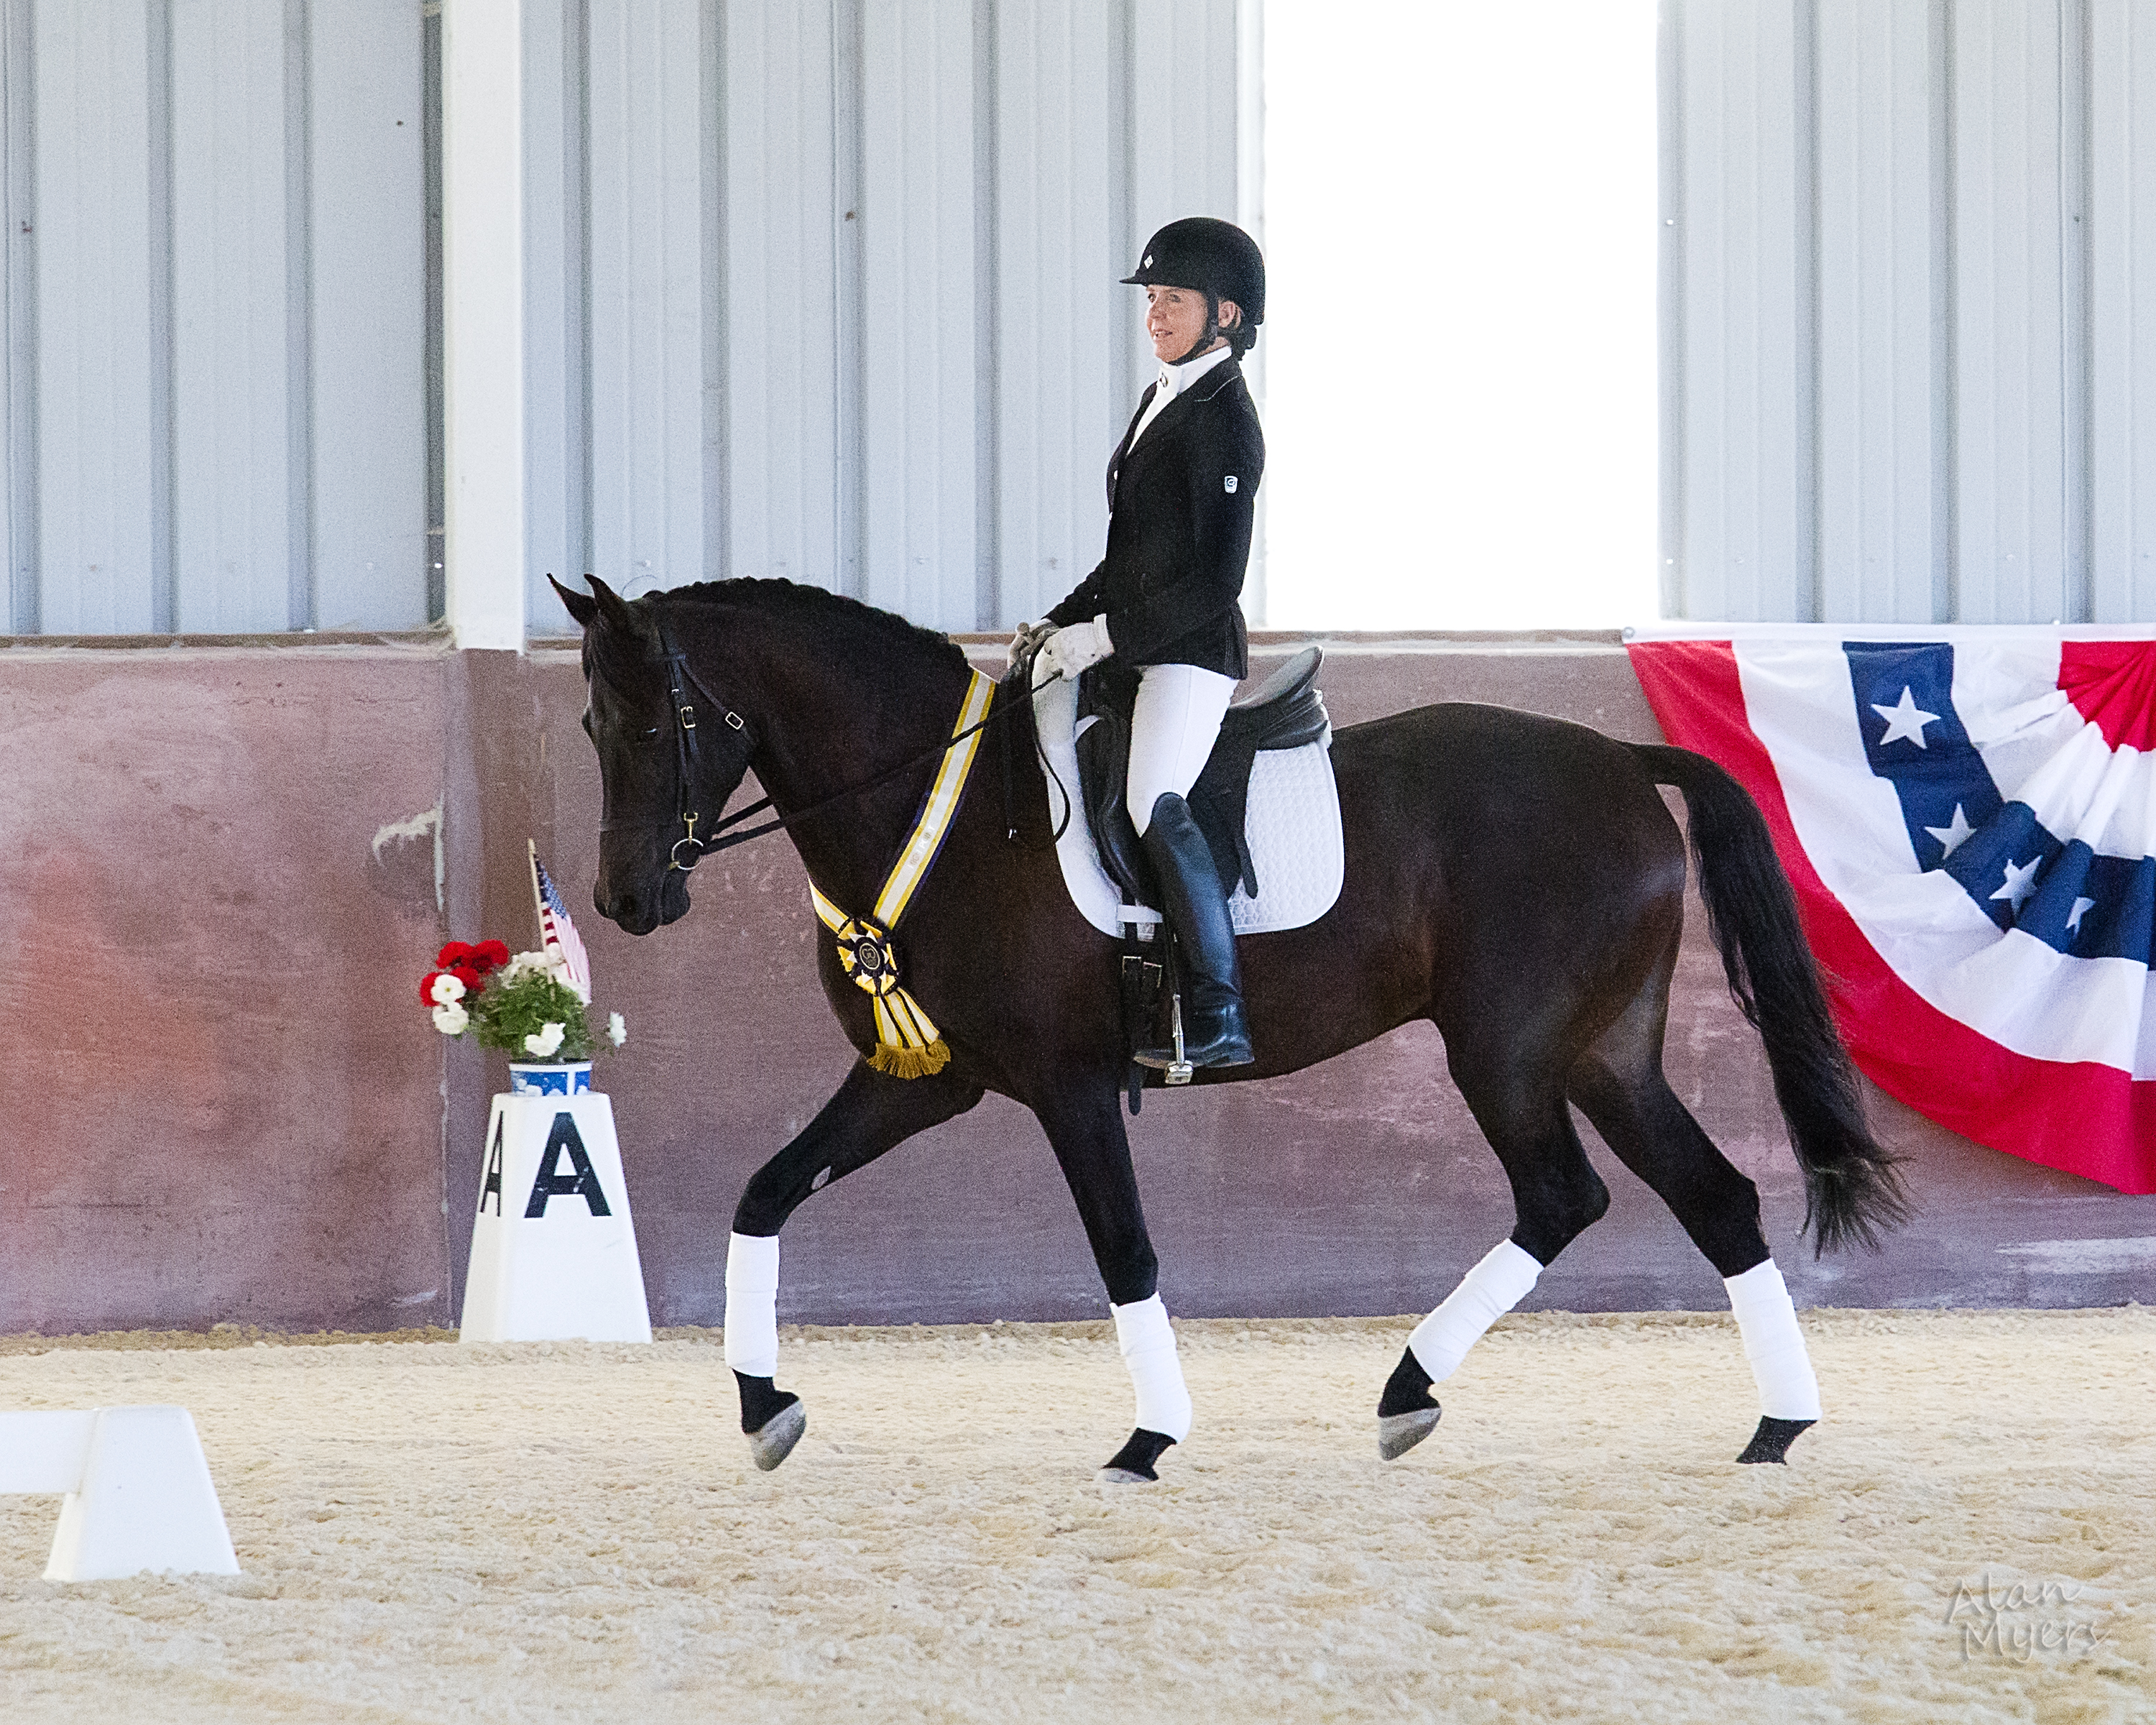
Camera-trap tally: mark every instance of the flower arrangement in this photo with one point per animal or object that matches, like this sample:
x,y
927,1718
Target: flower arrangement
x,y
525,1005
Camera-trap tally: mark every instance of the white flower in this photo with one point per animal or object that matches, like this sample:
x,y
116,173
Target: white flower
x,y
446,990
617,1029
552,964
548,1040
450,1018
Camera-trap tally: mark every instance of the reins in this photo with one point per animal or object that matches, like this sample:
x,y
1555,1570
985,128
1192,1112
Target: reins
x,y
687,744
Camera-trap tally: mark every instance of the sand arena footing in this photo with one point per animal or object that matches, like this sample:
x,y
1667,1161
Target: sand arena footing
x,y
569,1531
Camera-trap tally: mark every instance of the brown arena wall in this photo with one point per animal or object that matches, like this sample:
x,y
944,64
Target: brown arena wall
x,y
226,867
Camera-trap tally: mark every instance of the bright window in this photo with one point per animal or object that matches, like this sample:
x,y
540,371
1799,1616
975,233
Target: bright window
x,y
1461,386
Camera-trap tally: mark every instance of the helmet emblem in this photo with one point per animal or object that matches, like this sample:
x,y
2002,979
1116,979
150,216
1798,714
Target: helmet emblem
x,y
1228,485
1147,264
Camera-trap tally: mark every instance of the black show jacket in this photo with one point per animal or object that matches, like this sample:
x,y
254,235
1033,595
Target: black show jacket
x,y
1179,507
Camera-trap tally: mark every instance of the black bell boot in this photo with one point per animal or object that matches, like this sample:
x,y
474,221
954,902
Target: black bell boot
x,y
1214,1031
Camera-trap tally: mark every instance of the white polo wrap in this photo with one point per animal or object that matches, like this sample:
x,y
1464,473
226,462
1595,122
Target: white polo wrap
x,y
1492,1288
752,1305
1148,1351
1766,1319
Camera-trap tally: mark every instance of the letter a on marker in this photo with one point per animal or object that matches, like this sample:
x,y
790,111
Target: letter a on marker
x,y
583,1183
493,1170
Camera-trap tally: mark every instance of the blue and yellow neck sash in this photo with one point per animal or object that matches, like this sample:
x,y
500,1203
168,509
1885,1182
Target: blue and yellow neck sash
x,y
908,1044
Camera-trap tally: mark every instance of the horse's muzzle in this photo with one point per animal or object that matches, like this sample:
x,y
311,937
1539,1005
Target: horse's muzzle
x,y
640,913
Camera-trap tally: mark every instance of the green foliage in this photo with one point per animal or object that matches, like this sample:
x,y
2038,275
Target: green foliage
x,y
509,1008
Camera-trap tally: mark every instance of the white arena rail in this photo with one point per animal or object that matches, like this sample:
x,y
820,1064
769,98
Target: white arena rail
x,y
138,1490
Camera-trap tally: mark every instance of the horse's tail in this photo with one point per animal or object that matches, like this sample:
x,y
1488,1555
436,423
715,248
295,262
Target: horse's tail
x,y
1852,1189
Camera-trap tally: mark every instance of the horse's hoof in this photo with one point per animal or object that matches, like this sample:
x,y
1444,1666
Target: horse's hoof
x,y
1399,1433
1771,1441
772,1442
1132,1464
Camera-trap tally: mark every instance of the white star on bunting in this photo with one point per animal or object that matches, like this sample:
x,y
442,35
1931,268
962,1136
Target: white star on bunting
x,y
2020,882
1951,835
2074,919
1905,720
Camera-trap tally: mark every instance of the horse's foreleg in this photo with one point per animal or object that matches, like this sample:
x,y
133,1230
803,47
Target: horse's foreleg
x,y
871,1113
1095,1155
1556,1195
1653,1134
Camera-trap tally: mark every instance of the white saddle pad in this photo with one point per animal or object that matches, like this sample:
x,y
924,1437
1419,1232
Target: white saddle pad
x,y
1292,823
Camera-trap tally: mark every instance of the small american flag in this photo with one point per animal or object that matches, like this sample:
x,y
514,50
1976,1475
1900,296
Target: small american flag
x,y
557,932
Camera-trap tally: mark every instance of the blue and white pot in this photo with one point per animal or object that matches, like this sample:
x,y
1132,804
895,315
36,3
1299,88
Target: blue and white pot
x,y
529,1078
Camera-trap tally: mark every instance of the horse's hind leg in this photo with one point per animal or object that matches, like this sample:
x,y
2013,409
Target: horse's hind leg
x,y
1620,1087
870,1114
1556,1194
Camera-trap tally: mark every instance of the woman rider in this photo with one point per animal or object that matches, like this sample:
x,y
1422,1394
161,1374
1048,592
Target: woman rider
x,y
1166,598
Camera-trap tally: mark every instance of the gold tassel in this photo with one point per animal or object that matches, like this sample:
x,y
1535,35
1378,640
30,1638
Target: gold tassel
x,y
912,1062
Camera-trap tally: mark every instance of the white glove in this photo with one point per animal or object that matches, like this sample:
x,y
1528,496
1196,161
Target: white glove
x,y
1029,635
1071,650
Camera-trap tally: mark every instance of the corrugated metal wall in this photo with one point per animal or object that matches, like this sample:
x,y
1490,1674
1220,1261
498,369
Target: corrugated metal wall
x,y
1910,261
817,288
834,296
214,303
824,288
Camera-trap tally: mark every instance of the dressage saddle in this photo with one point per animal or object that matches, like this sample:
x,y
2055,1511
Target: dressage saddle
x,y
1286,711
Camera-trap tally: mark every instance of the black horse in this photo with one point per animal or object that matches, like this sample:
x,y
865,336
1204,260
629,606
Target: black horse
x,y
1513,879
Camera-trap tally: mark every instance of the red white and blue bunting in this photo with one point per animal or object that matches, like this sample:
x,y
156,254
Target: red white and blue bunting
x,y
1969,820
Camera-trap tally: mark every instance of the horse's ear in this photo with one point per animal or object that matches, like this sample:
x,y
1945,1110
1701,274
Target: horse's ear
x,y
612,606
581,606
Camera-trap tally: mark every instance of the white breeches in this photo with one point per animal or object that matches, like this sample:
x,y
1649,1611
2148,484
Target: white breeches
x,y
1173,725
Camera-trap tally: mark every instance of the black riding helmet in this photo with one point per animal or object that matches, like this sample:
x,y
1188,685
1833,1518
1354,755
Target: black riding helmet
x,y
1218,260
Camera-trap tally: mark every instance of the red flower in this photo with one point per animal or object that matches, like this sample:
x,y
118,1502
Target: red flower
x,y
427,988
470,965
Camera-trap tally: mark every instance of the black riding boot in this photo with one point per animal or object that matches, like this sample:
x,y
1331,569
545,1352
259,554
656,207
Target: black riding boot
x,y
1214,1031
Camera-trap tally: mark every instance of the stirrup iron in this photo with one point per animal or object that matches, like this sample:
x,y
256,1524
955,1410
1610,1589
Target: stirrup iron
x,y
1178,1070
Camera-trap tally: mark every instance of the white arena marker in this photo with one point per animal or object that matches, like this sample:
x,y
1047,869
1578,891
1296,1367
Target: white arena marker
x,y
139,1494
553,1254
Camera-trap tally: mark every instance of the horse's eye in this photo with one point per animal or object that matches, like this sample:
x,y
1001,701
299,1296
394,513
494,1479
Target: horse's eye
x,y
648,735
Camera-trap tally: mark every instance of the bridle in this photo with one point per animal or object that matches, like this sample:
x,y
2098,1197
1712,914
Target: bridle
x,y
735,740
740,744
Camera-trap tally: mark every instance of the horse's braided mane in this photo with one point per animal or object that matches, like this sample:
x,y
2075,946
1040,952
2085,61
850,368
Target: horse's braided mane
x,y
816,606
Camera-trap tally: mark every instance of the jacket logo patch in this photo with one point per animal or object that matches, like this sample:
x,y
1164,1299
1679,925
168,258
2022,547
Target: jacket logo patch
x,y
1228,485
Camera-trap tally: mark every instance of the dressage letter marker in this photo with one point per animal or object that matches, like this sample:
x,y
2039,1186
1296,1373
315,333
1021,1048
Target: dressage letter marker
x,y
557,1260
580,1183
139,1495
